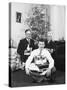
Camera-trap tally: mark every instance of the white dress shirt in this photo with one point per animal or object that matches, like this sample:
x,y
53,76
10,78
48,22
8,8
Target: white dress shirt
x,y
44,53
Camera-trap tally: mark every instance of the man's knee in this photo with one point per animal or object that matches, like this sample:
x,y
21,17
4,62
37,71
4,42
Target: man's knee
x,y
53,69
51,73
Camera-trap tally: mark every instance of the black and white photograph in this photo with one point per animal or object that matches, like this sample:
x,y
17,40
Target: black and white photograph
x,y
36,44
18,17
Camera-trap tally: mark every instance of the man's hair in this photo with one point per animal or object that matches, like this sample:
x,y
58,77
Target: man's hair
x,y
41,40
27,30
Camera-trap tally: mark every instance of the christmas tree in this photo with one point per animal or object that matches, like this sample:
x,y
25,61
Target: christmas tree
x,y
39,22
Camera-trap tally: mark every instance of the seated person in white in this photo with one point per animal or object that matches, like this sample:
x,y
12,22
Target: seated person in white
x,y
40,64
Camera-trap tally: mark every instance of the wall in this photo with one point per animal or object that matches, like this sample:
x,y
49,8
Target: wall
x,y
17,29
57,20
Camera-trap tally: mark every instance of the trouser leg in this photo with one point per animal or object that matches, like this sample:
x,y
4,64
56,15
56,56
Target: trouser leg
x,y
52,75
36,77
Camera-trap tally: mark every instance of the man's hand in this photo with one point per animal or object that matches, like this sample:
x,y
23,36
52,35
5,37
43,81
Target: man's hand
x,y
27,71
48,73
22,66
43,73
51,50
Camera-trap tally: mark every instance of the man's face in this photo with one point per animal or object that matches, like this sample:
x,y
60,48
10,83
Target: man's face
x,y
41,44
28,34
49,38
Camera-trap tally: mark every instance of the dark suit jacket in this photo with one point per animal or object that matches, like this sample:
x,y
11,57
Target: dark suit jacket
x,y
51,45
22,47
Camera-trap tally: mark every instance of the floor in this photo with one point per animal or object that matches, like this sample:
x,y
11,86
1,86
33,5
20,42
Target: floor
x,y
19,79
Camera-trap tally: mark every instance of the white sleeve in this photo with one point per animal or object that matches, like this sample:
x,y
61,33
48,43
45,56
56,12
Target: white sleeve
x,y
29,60
50,59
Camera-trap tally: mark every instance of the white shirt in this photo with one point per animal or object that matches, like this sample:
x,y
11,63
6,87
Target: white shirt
x,y
44,53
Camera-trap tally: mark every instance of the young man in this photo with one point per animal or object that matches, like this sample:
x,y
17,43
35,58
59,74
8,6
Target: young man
x,y
25,46
40,64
